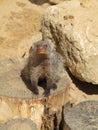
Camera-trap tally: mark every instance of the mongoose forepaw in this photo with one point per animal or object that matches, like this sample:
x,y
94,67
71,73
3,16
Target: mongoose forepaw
x,y
35,91
47,92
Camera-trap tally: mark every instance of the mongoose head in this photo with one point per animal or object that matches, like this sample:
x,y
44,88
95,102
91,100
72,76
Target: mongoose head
x,y
43,48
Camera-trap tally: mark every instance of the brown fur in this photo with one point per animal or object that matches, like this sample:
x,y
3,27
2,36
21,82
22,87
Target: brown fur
x,y
49,66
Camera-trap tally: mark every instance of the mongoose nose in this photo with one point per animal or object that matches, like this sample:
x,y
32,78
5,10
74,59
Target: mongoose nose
x,y
41,50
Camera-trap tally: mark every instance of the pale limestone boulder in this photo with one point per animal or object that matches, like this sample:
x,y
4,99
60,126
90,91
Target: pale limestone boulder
x,y
73,27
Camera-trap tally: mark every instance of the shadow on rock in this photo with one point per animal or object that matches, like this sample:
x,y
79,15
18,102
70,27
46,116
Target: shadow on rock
x,y
88,88
40,2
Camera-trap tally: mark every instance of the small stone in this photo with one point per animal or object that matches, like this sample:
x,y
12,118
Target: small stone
x,y
19,124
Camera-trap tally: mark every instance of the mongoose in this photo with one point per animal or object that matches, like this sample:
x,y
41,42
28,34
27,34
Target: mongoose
x,y
43,62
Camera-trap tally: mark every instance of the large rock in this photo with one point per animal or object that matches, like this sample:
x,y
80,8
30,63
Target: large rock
x,y
73,27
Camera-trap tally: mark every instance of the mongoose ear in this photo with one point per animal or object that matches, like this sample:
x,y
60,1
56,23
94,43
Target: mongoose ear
x,y
30,50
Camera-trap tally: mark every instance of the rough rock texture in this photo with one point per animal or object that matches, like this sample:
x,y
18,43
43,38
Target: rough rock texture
x,y
73,27
83,116
17,101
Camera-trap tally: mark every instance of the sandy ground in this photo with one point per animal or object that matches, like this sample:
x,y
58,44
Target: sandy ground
x,y
20,25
